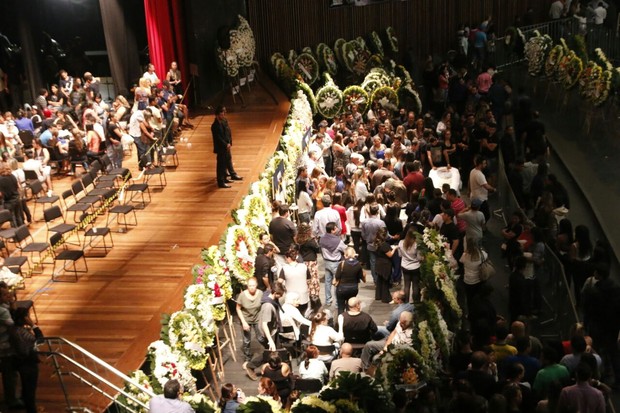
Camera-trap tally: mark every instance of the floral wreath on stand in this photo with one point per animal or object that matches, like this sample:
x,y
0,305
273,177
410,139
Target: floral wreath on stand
x,y
376,43
240,252
551,65
307,67
249,42
198,301
355,95
438,329
329,98
600,88
327,58
227,62
253,215
241,45
144,381
356,56
188,339
386,97
216,264
392,39
404,367
259,404
570,69
535,51
166,365
591,73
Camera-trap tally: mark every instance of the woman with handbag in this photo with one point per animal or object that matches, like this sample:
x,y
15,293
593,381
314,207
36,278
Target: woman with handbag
x,y
472,261
348,276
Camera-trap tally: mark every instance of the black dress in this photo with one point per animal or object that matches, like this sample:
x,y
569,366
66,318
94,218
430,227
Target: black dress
x,y
383,268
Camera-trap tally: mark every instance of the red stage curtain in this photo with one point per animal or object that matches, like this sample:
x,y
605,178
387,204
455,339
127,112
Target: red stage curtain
x,y
179,42
159,34
165,32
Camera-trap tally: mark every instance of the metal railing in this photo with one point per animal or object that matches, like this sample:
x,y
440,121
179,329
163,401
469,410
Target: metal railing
x,y
77,369
556,292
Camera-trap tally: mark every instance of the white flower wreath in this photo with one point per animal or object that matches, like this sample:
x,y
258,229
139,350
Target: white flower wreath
x,y
307,67
330,99
166,365
355,95
240,252
386,97
227,62
187,338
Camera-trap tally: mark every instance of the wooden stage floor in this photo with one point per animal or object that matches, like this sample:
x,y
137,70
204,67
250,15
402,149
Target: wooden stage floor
x,y
114,310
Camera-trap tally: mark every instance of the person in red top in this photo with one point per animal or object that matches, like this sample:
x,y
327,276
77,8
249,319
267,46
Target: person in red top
x,y
414,180
485,80
458,206
336,204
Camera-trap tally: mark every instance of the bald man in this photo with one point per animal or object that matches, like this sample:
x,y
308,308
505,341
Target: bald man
x,y
346,362
355,325
401,336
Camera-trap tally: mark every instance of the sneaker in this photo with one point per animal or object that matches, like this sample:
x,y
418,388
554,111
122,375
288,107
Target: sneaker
x,y
49,193
250,372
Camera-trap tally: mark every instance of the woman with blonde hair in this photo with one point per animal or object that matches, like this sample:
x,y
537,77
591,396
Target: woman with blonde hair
x,y
348,276
472,260
359,185
141,94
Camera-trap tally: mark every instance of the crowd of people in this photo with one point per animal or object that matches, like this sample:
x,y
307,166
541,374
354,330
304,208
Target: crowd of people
x,y
71,126
368,187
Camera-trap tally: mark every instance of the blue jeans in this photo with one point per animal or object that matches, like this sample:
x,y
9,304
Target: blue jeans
x,y
247,338
330,272
144,158
372,255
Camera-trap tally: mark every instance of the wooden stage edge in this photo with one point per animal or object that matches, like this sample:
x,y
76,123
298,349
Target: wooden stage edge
x,y
114,310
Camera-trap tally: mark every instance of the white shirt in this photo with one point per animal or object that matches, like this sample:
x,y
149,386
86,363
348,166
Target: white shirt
x,y
471,274
322,218
600,13
134,123
304,202
477,180
292,317
326,336
152,77
556,10
316,370
295,276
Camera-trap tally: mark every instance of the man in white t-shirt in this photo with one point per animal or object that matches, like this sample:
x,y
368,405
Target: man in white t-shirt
x,y
478,185
556,11
151,75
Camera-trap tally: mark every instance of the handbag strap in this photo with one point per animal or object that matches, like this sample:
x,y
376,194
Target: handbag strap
x,y
482,257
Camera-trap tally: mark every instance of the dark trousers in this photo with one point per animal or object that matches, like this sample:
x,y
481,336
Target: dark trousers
x,y
224,167
9,376
144,158
343,293
411,280
29,374
382,286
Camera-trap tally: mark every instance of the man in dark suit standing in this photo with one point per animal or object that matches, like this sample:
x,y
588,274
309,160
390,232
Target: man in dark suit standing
x,y
222,142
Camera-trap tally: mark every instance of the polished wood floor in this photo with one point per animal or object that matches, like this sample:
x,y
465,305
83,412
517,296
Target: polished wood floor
x,y
114,310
